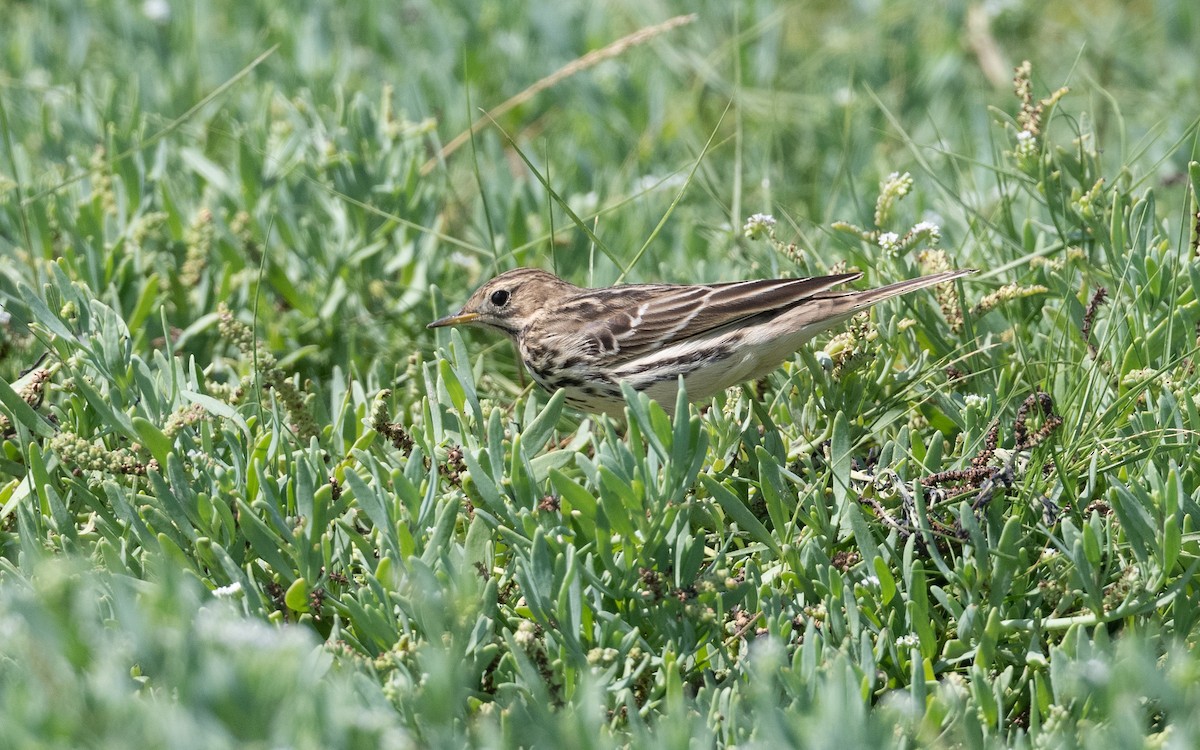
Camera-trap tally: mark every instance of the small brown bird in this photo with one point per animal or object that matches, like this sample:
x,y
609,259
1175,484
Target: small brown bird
x,y
587,341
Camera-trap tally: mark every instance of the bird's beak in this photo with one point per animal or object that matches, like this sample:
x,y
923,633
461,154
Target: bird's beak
x,y
456,319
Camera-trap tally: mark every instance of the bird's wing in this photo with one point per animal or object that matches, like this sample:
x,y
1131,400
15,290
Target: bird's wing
x,y
633,320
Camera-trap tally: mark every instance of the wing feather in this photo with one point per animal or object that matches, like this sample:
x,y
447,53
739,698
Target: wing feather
x,y
641,318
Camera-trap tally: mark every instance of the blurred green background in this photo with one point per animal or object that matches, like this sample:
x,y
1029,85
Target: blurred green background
x,y
161,159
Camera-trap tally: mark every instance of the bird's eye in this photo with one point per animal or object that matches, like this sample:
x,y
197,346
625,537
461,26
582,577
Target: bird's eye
x,y
500,297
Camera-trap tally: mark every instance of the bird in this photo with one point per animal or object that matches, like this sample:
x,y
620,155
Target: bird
x,y
586,341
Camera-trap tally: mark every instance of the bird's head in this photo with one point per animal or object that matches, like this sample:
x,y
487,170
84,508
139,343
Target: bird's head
x,y
510,301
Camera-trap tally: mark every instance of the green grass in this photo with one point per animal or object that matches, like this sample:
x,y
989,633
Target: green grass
x,y
246,498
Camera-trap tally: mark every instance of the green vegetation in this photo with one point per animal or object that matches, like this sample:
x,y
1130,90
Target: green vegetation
x,y
247,499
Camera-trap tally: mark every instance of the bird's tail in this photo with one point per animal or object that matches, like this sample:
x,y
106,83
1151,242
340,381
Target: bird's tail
x,y
869,297
827,309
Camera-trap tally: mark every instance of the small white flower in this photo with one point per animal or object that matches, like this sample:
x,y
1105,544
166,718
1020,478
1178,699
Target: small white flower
x,y
526,635
676,181
871,582
928,228
889,241
907,641
459,258
1026,145
759,226
1136,377
1095,671
158,11
226,592
645,183
975,400
584,204
897,184
602,656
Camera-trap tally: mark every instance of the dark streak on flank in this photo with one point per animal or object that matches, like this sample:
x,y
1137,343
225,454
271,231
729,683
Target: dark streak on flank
x,y
676,366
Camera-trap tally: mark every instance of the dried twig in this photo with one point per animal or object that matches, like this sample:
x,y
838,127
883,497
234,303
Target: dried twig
x,y
990,481
1089,316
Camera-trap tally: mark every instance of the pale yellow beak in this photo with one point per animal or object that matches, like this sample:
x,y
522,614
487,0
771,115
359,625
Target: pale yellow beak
x,y
457,319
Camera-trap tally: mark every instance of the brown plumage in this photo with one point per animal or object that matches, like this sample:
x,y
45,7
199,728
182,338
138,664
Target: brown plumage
x,y
715,335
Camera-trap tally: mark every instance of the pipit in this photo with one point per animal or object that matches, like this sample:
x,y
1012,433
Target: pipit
x,y
586,341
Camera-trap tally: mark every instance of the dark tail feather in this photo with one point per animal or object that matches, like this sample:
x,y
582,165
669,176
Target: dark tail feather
x,y
827,309
869,297
836,307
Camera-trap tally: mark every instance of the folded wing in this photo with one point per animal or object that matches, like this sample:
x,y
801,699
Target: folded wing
x,y
652,317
